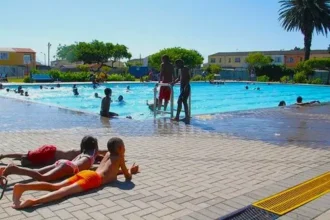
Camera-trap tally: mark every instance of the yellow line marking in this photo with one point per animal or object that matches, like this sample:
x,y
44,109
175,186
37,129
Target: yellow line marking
x,y
294,197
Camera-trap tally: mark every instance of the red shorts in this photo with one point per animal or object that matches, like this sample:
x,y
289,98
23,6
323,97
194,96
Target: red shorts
x,y
42,155
165,93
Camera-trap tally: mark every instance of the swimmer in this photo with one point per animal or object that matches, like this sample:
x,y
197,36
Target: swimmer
x,y
26,93
112,165
120,98
40,86
58,85
127,89
96,95
282,103
22,92
1,86
7,90
300,102
75,90
246,87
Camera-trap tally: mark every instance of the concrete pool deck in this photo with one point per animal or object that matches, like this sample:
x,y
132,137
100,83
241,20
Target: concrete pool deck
x,y
206,170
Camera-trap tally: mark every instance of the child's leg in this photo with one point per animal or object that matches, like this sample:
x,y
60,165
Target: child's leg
x,y
55,195
13,156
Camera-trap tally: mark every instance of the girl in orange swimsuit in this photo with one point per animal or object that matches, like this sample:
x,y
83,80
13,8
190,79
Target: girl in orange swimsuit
x,y
62,168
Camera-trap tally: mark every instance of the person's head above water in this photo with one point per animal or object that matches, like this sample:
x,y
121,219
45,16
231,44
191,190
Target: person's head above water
x,y
88,144
26,93
74,86
246,87
179,63
96,95
282,103
7,90
1,86
107,92
299,99
120,98
165,59
40,86
116,146
127,87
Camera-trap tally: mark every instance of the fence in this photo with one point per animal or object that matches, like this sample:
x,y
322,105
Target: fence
x,y
13,71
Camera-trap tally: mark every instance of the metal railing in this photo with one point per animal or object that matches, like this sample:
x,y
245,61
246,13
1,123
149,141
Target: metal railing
x,y
156,108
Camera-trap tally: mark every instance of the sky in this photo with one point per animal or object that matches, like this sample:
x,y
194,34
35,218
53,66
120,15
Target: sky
x,y
147,26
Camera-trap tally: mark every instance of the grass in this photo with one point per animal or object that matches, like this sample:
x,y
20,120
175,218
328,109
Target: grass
x,y
15,80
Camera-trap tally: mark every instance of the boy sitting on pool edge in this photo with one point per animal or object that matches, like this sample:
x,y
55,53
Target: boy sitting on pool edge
x,y
105,105
107,172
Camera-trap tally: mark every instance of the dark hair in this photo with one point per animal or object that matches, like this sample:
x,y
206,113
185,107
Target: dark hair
x,y
166,57
179,61
88,143
107,91
113,145
299,99
282,103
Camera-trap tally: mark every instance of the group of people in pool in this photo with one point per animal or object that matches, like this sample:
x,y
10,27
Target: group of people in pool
x,y
299,102
75,165
19,90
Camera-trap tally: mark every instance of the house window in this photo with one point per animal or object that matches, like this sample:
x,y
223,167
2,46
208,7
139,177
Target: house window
x,y
4,56
27,59
290,60
237,60
219,60
229,60
212,60
278,60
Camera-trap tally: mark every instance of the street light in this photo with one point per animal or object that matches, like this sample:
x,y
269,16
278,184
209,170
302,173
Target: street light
x,y
44,57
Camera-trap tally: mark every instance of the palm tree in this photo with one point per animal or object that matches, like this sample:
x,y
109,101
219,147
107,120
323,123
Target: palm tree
x,y
305,16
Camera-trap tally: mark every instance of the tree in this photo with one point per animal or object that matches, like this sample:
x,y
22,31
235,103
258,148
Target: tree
x,y
329,48
191,58
66,52
119,51
257,60
306,16
320,63
212,68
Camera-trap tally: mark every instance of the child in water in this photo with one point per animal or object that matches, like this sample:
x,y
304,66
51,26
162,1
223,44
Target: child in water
x,y
105,105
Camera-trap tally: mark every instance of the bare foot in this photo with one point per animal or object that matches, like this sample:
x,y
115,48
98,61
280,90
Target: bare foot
x,y
23,204
17,194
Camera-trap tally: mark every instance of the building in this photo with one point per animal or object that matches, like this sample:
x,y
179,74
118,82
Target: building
x,y
289,58
17,62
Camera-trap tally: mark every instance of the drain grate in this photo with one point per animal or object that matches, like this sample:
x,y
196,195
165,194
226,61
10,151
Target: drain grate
x,y
250,213
296,196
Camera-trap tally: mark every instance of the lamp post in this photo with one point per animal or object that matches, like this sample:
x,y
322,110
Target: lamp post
x,y
49,45
44,57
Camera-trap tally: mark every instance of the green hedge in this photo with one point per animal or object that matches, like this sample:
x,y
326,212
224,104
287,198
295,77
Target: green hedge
x,y
300,77
198,77
121,77
263,78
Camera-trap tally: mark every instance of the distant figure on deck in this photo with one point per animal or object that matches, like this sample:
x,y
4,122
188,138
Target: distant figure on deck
x,y
184,78
105,105
282,103
96,95
166,76
300,102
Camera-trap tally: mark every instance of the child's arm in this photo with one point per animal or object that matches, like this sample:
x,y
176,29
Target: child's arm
x,y
102,152
124,169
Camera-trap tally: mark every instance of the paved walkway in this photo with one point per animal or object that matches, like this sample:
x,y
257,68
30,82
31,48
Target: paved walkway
x,y
187,172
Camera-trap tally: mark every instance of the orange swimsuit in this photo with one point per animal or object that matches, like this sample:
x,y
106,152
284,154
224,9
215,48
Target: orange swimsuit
x,y
86,179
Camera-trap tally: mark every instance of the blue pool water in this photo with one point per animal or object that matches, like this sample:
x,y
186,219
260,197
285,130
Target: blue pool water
x,y
206,98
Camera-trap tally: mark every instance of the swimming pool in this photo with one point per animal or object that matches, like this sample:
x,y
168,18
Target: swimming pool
x,y
206,98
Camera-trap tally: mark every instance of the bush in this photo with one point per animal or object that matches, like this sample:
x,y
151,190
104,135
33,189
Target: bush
x,y
274,72
121,77
145,78
27,79
197,77
263,78
285,79
300,77
210,77
316,81
83,67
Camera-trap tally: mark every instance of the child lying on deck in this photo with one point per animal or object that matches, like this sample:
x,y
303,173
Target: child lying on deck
x,y
63,167
46,155
85,180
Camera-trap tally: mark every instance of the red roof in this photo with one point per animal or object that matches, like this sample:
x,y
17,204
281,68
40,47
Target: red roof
x,y
23,50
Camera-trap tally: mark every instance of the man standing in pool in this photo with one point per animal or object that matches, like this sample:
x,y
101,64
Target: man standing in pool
x,y
166,76
184,78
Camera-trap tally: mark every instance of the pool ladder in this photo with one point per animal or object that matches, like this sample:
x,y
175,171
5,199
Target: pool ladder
x,y
172,101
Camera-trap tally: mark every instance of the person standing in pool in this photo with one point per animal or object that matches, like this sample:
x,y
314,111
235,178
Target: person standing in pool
x,y
105,105
184,78
166,76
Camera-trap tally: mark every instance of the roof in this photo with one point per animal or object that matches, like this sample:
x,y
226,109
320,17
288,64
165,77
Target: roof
x,y
17,50
272,52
